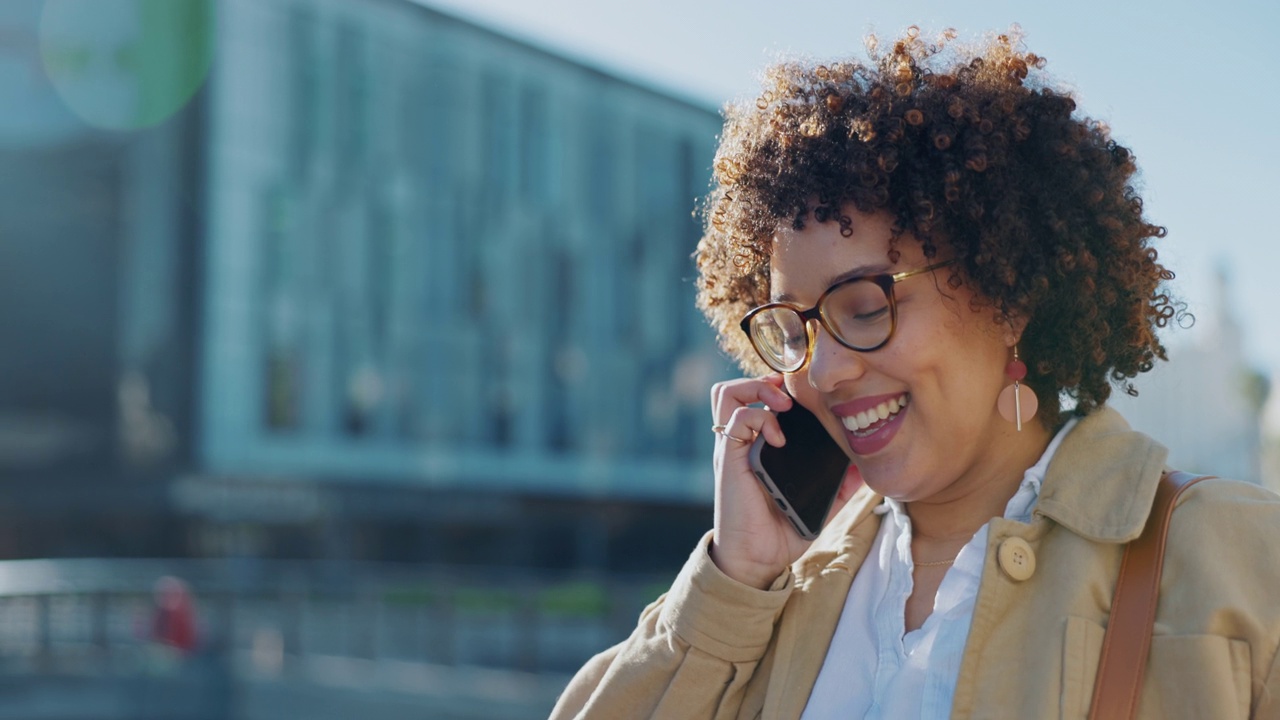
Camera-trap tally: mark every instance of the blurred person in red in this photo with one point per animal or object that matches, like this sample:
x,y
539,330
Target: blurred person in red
x,y
173,621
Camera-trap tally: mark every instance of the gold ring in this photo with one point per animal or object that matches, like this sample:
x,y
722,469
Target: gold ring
x,y
721,432
718,428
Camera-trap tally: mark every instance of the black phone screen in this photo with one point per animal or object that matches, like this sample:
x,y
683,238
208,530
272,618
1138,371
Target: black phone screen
x,y
805,473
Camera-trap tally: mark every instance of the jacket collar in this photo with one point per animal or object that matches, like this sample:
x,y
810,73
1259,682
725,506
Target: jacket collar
x,y
844,542
1102,481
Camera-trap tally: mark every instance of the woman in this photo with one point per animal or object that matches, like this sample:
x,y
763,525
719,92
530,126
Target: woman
x,y
972,246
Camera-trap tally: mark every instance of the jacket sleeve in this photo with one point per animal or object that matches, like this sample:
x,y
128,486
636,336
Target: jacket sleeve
x,y
691,656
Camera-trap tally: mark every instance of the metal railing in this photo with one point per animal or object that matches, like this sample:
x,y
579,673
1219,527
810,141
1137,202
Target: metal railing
x,y
257,619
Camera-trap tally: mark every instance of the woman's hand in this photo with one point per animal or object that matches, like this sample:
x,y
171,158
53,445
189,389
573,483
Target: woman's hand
x,y
752,542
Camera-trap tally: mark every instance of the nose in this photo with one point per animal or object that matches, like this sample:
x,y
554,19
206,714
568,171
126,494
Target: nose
x,y
831,363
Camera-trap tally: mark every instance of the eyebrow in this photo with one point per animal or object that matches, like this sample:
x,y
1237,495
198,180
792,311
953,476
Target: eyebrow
x,y
857,272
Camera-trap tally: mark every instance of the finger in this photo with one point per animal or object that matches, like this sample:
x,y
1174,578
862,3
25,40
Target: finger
x,y
718,389
734,394
850,485
747,422
737,431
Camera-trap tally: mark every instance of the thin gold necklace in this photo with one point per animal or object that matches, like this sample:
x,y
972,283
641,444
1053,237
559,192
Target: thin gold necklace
x,y
936,563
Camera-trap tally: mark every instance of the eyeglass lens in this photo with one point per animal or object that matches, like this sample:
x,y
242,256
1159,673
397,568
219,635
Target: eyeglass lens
x,y
857,313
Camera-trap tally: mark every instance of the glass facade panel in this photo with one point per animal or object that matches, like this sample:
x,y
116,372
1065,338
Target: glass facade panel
x,y
472,260
539,176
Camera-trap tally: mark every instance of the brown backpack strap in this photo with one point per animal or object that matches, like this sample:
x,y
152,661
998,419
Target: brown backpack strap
x,y
1118,686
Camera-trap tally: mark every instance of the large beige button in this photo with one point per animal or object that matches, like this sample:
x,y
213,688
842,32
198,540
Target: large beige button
x,y
1016,559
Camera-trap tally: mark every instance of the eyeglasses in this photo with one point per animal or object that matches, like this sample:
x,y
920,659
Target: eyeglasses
x,y
860,313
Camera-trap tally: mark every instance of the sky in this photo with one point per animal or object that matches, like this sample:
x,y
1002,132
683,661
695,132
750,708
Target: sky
x,y
1192,87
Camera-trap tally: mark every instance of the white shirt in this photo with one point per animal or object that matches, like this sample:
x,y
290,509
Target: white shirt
x,y
875,670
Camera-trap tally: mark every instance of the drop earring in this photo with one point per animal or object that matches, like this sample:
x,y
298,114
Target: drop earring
x,y
1017,402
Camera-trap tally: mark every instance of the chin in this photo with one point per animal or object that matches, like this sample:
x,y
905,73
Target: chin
x,y
891,477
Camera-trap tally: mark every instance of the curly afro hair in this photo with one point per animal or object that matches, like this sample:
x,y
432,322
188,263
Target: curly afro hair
x,y
968,148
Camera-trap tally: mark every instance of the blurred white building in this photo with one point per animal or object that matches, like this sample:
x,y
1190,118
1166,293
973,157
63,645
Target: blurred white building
x,y
1271,442
1205,404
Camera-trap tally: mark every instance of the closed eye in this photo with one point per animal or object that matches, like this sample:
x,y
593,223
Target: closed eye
x,y
873,315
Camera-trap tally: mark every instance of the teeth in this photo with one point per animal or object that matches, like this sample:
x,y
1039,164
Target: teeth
x,y
883,411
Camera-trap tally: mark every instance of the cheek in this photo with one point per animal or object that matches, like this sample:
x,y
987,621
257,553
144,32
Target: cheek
x,y
797,386
963,339
955,366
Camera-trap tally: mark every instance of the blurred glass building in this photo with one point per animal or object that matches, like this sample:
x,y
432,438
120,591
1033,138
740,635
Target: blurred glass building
x,y
388,285
100,160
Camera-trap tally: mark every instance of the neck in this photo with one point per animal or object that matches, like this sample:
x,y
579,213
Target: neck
x,y
983,491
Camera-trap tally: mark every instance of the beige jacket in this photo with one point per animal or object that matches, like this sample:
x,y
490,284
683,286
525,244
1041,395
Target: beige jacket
x,y
713,648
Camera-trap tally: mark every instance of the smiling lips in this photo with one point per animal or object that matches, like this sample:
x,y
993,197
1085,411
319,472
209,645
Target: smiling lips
x,y
872,419
871,423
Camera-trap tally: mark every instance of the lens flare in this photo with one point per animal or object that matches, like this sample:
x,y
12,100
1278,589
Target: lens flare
x,y
126,64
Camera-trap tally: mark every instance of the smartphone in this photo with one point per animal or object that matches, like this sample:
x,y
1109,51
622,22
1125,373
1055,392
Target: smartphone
x,y
804,475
